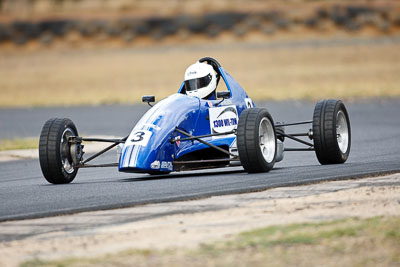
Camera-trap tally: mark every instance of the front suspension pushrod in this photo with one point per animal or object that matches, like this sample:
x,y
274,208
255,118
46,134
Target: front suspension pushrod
x,y
202,136
204,142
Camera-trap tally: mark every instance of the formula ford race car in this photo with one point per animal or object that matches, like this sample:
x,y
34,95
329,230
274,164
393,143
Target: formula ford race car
x,y
183,132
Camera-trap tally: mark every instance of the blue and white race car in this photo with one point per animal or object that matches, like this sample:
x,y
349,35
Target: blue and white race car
x,y
183,132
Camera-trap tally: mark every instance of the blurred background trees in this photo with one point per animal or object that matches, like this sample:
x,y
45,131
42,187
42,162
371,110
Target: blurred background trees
x,y
124,21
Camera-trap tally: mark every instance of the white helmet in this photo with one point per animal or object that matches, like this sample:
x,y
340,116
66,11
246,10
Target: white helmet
x,y
200,80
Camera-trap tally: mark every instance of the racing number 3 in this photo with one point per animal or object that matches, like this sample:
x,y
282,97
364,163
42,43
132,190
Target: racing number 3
x,y
140,138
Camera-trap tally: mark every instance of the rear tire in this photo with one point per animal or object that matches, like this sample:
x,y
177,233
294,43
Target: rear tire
x,y
331,132
54,151
256,140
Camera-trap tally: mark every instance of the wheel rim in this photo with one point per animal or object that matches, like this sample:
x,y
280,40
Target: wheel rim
x,y
66,160
267,140
342,132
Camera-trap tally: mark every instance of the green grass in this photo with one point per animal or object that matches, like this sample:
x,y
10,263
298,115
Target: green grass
x,y
349,242
20,143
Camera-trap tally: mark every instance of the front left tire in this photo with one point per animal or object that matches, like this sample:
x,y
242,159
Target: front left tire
x,y
256,140
331,132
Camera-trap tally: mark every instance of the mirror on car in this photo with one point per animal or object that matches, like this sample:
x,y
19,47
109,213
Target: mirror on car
x,y
148,99
224,94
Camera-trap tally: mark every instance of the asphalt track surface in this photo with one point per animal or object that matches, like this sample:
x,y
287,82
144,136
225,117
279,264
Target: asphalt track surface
x,y
24,193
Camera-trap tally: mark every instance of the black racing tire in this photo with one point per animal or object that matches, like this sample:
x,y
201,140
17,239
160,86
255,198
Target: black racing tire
x,y
331,132
254,155
54,152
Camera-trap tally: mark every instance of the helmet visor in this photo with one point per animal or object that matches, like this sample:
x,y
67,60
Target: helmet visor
x,y
194,84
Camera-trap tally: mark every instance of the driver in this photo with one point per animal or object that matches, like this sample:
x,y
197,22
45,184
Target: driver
x,y
201,81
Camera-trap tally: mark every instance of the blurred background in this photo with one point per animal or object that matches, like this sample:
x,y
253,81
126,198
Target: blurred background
x,y
91,52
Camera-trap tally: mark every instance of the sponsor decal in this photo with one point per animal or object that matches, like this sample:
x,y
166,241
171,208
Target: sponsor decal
x,y
166,165
249,103
223,119
178,143
155,164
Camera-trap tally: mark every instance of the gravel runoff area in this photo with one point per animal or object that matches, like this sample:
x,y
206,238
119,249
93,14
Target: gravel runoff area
x,y
189,224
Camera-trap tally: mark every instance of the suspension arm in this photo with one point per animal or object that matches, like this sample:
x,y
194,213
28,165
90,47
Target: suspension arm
x,y
117,141
294,123
98,165
299,149
297,139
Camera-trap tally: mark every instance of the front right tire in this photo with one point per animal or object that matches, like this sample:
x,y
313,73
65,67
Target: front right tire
x,y
55,157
